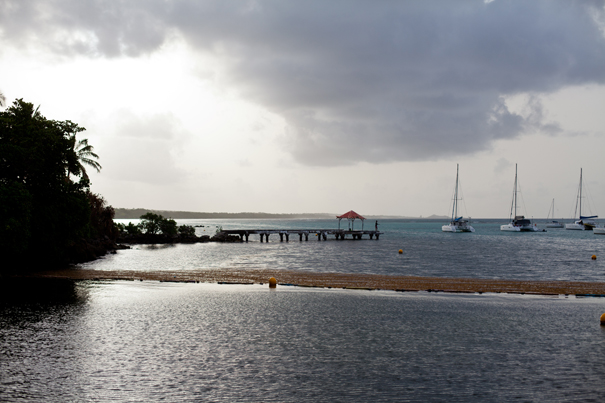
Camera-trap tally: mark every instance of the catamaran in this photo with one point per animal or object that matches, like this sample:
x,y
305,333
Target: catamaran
x,y
553,223
457,224
584,222
518,223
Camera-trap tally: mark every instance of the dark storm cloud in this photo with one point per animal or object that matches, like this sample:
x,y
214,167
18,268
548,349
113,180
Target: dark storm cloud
x,y
362,80
96,27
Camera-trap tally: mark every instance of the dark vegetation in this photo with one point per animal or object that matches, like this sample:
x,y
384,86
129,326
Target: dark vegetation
x,y
48,215
154,228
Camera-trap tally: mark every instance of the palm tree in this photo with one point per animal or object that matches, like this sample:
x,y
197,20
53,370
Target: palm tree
x,y
86,156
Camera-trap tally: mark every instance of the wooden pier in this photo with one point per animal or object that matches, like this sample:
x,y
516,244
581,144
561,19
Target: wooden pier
x,y
284,234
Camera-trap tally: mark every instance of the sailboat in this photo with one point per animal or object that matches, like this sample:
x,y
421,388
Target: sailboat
x,y
457,224
584,222
518,223
553,223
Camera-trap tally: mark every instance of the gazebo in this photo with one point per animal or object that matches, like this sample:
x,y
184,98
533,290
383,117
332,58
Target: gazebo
x,y
351,216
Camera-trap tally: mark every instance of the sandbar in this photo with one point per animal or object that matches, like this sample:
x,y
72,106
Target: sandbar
x,y
340,280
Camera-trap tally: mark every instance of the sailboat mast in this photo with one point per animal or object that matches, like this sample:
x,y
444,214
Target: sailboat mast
x,y
553,208
515,193
456,195
581,194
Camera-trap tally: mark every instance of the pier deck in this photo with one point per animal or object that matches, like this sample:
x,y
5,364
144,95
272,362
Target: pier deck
x,y
284,234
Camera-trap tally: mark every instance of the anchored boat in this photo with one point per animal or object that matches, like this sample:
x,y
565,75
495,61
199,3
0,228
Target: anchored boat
x,y
518,223
584,222
457,224
553,223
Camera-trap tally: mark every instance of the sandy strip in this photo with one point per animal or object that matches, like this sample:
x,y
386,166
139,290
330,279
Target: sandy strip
x,y
341,280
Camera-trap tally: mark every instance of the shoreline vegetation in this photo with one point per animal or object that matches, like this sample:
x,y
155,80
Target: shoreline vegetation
x,y
48,214
334,280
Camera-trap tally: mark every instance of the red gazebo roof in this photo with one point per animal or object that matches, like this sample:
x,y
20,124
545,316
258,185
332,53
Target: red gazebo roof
x,y
351,215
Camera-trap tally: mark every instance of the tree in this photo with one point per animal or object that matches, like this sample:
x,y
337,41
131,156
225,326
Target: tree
x,y
153,224
168,227
15,218
101,218
150,223
42,215
2,99
86,156
186,231
132,229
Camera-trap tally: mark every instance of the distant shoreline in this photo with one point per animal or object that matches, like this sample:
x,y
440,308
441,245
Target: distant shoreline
x,y
124,213
135,213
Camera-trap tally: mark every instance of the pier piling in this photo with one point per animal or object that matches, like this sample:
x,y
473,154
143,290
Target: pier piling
x,y
321,234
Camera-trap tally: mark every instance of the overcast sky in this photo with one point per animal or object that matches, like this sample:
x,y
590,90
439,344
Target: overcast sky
x,y
315,106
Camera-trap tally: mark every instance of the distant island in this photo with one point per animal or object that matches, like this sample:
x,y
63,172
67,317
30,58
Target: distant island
x,y
138,212
436,217
126,213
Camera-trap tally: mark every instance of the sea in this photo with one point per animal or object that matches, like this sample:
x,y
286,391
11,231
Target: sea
x,y
125,341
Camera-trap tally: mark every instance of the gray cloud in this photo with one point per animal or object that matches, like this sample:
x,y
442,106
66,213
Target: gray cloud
x,y
163,127
94,27
144,149
359,80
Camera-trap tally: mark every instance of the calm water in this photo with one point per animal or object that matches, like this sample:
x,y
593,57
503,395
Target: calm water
x,y
148,341
488,253
126,341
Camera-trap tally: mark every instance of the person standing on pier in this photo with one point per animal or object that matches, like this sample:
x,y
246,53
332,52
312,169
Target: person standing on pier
x,y
376,225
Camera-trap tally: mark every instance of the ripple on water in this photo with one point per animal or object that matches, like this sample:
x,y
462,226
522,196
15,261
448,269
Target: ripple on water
x,y
187,342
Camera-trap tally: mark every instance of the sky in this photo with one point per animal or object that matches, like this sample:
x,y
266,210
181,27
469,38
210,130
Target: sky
x,y
322,107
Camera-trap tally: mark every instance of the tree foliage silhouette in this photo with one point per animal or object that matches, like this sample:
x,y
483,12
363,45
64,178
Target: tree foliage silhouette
x,y
44,215
86,156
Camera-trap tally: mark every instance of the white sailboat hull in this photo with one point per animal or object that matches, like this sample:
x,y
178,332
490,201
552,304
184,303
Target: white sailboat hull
x,y
581,226
598,231
457,228
510,227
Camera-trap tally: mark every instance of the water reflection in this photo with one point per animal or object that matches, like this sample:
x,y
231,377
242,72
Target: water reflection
x,y
132,341
40,321
41,291
156,246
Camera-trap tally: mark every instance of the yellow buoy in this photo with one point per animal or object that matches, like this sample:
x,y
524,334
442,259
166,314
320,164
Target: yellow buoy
x,y
594,257
272,282
400,251
603,320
